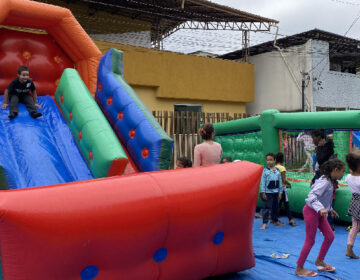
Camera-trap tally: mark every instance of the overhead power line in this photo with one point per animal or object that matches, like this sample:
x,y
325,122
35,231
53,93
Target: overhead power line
x,y
347,2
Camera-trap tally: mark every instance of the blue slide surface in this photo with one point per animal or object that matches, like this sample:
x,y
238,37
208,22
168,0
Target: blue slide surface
x,y
39,152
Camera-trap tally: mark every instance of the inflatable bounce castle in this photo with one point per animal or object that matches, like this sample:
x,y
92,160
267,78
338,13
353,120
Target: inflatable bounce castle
x,y
252,138
86,193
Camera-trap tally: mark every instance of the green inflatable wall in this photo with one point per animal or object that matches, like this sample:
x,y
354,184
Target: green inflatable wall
x,y
342,144
92,132
244,146
3,180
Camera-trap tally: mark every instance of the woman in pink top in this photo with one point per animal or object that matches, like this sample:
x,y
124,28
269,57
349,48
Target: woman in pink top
x,y
208,152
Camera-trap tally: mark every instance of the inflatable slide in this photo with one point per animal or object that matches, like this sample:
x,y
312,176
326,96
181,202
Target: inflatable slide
x,y
169,225
43,151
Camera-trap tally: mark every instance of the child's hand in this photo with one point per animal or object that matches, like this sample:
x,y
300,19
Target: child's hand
x,y
334,214
4,106
323,213
38,106
263,195
279,197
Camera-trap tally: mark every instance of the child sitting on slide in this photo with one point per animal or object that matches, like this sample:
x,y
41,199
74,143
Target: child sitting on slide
x,y
19,91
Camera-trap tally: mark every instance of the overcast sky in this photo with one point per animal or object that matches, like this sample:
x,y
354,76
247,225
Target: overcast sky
x,y
295,16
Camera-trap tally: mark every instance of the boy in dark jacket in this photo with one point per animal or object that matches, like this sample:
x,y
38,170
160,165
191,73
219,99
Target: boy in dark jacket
x,y
324,150
19,91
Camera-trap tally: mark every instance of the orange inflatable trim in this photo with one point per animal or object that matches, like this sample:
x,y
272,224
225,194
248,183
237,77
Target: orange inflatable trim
x,y
63,27
171,225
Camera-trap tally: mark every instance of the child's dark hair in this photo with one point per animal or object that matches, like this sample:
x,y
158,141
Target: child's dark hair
x,y
270,155
226,159
206,131
318,133
279,158
353,161
330,165
22,68
185,162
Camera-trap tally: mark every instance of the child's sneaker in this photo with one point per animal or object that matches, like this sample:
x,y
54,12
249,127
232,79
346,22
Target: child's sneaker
x,y
12,115
36,115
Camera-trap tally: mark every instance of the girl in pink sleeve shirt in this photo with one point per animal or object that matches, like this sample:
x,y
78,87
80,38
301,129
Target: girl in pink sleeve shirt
x,y
208,152
318,204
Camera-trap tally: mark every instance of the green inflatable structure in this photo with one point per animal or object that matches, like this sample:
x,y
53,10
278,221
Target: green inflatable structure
x,y
252,138
91,130
3,180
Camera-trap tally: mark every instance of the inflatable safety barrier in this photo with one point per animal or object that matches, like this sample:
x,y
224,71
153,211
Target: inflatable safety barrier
x,y
146,142
92,132
173,225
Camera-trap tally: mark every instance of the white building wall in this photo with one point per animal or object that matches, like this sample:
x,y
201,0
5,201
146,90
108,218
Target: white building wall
x,y
275,86
331,88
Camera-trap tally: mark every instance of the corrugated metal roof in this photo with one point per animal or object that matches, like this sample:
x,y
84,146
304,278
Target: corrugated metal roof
x,y
165,15
339,45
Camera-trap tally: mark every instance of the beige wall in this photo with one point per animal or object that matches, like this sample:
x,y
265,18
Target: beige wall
x,y
275,86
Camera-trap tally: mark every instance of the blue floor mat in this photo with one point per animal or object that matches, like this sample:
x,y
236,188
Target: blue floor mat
x,y
289,240
39,152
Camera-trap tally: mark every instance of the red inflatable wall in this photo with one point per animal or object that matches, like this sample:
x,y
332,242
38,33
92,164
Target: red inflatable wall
x,y
46,61
173,225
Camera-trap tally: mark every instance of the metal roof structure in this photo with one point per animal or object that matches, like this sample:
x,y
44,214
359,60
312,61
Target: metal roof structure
x,y
173,14
169,16
339,46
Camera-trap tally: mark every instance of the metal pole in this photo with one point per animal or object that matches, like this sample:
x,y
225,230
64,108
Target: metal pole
x,y
303,91
183,4
245,45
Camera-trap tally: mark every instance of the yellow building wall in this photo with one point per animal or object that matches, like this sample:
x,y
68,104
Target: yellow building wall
x,y
162,79
148,96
